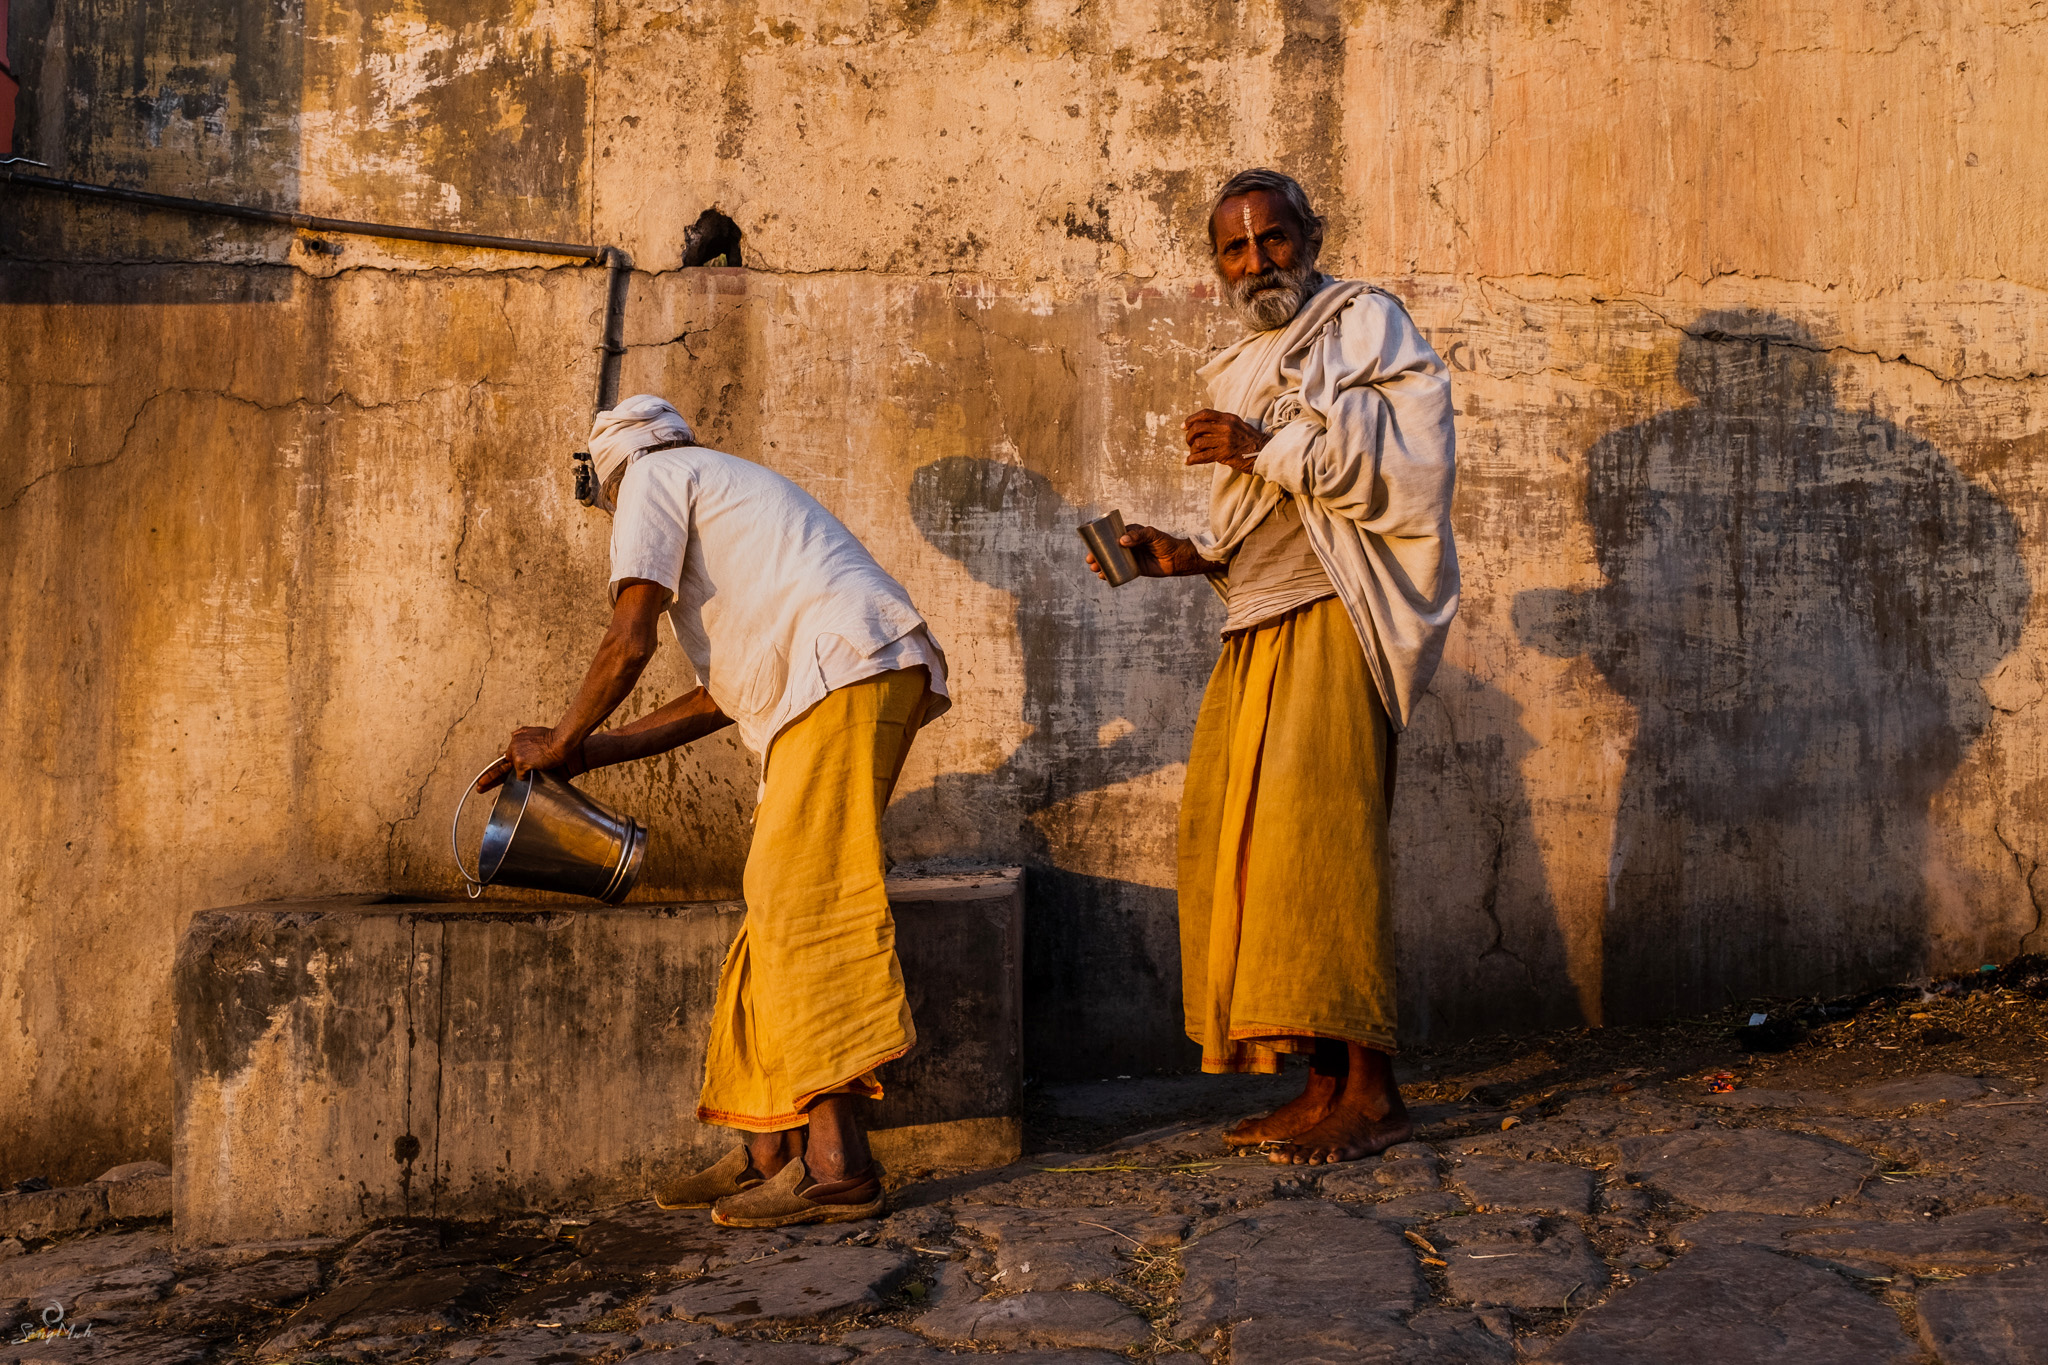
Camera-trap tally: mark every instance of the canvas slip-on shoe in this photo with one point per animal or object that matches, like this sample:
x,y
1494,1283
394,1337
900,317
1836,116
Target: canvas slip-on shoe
x,y
733,1173
786,1199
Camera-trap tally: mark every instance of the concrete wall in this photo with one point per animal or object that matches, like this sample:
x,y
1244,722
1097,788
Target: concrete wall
x,y
338,1063
1745,697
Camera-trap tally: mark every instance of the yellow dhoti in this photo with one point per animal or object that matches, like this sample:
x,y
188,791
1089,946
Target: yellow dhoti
x,y
1286,924
811,998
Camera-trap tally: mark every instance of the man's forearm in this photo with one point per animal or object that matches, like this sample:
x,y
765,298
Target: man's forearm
x,y
620,661
689,717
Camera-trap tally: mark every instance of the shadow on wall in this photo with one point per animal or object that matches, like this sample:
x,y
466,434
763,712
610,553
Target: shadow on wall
x,y
1800,600
1102,960
1481,945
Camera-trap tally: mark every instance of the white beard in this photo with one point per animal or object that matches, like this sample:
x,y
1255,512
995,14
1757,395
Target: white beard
x,y
1271,298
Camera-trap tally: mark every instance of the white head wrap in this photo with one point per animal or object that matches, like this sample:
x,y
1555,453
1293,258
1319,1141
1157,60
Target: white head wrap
x,y
622,432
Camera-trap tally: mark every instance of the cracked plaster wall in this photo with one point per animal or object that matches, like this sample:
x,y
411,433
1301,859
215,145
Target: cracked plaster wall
x,y
1745,305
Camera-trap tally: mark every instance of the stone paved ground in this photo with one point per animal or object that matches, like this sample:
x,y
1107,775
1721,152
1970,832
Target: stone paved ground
x,y
1875,1190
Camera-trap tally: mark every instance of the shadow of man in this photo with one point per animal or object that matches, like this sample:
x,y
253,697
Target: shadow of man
x,y
1111,682
1800,601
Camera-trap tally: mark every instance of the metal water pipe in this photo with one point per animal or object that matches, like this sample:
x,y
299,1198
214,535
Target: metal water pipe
x,y
617,262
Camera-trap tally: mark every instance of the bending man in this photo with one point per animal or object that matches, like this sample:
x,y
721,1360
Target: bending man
x,y
1330,541
801,640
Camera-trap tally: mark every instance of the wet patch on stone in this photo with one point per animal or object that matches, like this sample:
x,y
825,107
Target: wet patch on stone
x,y
432,1301
570,1303
240,1292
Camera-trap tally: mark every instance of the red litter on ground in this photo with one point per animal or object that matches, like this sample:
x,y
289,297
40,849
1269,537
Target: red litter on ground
x,y
1722,1082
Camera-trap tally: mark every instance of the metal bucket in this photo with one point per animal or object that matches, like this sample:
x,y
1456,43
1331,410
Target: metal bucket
x,y
547,836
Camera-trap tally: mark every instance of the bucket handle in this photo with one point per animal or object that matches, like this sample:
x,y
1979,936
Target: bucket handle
x,y
474,885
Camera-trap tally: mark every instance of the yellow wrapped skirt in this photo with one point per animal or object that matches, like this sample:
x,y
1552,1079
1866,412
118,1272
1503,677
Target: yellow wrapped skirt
x,y
811,998
1286,923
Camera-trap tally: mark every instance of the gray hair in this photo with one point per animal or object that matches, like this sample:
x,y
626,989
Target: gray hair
x,y
1273,182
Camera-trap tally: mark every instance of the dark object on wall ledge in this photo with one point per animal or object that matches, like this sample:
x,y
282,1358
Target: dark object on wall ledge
x,y
713,239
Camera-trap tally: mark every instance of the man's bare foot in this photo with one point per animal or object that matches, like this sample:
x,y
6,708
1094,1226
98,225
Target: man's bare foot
x,y
1327,1066
1291,1119
1345,1135
1366,1117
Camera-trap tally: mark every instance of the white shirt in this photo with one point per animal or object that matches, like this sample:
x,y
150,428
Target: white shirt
x,y
775,602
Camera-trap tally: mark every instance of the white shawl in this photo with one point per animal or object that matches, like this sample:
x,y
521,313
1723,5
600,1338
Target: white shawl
x,y
1360,407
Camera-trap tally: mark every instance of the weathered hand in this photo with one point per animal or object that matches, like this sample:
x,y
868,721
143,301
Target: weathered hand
x,y
1223,438
1158,554
531,747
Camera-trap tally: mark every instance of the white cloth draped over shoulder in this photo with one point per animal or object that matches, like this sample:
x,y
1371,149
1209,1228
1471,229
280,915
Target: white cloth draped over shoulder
x,y
1359,405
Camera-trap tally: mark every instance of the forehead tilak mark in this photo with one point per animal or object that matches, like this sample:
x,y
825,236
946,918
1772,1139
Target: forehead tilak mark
x,y
1246,209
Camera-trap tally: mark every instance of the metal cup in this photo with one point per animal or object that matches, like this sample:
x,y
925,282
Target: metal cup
x,y
1104,539
547,836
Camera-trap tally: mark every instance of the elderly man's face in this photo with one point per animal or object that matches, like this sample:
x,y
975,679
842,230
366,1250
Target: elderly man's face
x,y
1264,257
1255,233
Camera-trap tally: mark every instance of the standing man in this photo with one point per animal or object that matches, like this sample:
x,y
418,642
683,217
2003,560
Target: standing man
x,y
1330,541
800,639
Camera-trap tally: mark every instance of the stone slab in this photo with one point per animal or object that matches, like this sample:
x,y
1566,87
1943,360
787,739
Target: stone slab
x,y
1059,1248
337,1062
136,1345
1999,1319
1038,1318
805,1287
1736,1304
1519,1261
1431,1337
27,1275
104,1296
52,1213
1416,1208
1296,1259
1746,1170
1915,1092
130,1192
240,1292
930,1356
1506,1185
737,1352
1978,1240
540,1346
